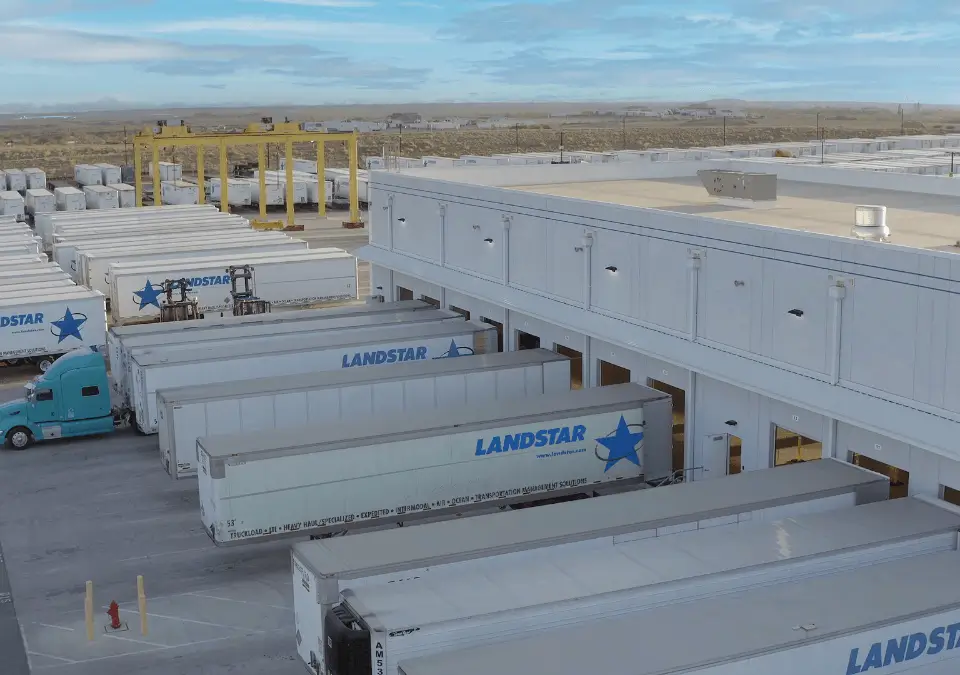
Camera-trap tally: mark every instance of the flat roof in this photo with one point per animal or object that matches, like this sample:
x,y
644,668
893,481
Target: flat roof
x,y
549,576
255,445
731,627
918,220
370,553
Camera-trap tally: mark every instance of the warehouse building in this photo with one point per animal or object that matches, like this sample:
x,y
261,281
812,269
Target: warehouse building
x,y
788,314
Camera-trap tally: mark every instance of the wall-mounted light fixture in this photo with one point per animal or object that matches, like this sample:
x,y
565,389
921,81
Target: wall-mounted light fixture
x,y
401,220
488,240
796,312
611,268
476,227
731,423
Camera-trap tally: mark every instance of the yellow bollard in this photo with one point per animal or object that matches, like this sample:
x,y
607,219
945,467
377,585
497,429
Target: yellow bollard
x,y
88,610
142,602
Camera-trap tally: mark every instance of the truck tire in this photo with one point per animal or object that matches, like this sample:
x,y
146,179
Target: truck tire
x,y
19,438
44,363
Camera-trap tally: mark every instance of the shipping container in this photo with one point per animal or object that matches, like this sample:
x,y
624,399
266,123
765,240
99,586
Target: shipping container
x,y
87,174
443,161
16,180
482,160
109,173
179,192
157,368
274,193
305,190
189,413
341,184
35,287
168,171
41,273
39,200
238,191
304,165
101,197
700,571
11,203
12,260
126,195
51,323
324,479
36,179
283,281
70,199
323,568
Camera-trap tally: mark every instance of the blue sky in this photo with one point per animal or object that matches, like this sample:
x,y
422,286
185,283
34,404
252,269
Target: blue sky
x,y
373,51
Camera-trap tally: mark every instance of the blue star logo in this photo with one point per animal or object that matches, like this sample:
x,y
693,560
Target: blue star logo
x,y
68,326
456,350
621,445
150,295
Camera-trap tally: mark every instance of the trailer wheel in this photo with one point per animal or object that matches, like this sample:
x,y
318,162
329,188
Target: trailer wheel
x,y
44,363
19,438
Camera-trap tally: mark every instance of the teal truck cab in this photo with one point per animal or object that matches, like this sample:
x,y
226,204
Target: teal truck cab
x,y
72,398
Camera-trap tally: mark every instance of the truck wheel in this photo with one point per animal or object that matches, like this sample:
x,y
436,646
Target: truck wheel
x,y
19,438
44,363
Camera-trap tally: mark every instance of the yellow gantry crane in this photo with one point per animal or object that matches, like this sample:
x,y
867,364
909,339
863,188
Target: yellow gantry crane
x,y
286,133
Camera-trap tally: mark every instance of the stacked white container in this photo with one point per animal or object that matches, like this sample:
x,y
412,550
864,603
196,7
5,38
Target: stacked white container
x,y
16,181
101,197
126,195
39,200
70,199
110,173
168,171
238,191
36,179
179,192
87,174
11,203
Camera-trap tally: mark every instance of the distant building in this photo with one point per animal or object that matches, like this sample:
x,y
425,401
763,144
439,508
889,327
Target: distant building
x,y
354,125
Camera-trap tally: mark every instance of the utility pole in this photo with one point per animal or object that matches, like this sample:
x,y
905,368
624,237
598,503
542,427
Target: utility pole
x,y
517,135
126,159
561,146
818,125
400,153
624,132
901,121
724,129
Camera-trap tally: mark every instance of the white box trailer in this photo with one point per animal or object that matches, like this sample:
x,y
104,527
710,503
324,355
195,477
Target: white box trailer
x,y
70,199
322,569
189,413
109,173
341,184
320,277
273,193
160,224
16,244
322,479
168,171
278,355
305,190
92,265
176,192
36,286
51,323
36,179
101,197
16,180
87,174
892,617
8,277
49,223
126,195
483,160
21,261
304,165
735,615
238,191
119,336
39,200
11,203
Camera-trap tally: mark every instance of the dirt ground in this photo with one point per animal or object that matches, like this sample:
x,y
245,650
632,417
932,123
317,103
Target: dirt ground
x,y
55,145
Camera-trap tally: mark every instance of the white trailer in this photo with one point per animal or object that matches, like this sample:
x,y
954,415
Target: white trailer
x,y
11,203
36,179
92,266
341,184
323,569
238,191
17,244
278,355
304,165
343,476
37,286
101,197
87,174
305,190
483,160
126,195
22,261
109,173
318,277
723,594
16,180
12,277
168,171
42,326
39,200
178,192
443,161
189,413
47,228
892,617
273,193
70,199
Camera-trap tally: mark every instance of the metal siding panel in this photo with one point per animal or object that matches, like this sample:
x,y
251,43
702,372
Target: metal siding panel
x,y
729,298
467,227
480,387
664,284
324,405
290,409
358,399
421,393
565,263
800,341
256,413
615,292
556,377
419,232
951,396
453,390
387,398
528,252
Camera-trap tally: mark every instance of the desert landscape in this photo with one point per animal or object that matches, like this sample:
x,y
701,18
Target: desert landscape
x,y
56,144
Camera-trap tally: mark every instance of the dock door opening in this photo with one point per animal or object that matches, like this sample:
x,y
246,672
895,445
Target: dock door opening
x,y
611,373
465,313
404,294
499,327
899,479
576,365
679,397
950,495
527,341
430,301
790,447
736,453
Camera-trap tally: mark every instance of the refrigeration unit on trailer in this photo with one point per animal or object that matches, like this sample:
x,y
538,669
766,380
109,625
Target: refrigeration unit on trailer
x,y
322,569
109,173
273,193
87,174
179,192
556,588
168,171
36,179
69,199
890,617
39,200
189,413
11,203
322,479
278,355
42,326
16,180
100,197
126,195
281,280
238,191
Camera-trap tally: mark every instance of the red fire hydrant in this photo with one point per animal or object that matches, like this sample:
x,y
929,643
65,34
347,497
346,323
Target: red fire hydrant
x,y
114,614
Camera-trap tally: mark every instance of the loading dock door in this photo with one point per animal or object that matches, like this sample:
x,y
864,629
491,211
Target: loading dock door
x,y
712,458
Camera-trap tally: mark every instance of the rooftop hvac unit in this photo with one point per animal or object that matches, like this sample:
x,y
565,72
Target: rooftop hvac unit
x,y
870,223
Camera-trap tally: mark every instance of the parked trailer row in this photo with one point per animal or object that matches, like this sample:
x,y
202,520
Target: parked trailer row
x,y
189,413
39,200
309,193
159,368
310,277
69,199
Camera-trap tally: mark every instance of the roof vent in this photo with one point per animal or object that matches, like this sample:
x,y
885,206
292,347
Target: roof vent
x,y
870,223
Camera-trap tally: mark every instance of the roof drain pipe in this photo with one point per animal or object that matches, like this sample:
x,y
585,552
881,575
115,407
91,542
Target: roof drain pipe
x,y
507,220
693,264
586,245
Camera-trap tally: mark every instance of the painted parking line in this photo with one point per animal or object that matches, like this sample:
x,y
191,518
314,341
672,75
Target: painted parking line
x,y
11,639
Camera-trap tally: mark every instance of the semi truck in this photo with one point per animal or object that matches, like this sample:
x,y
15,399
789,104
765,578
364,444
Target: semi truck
x,y
189,413
324,479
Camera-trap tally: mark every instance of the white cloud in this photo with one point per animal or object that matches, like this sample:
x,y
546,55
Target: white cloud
x,y
338,31
347,4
